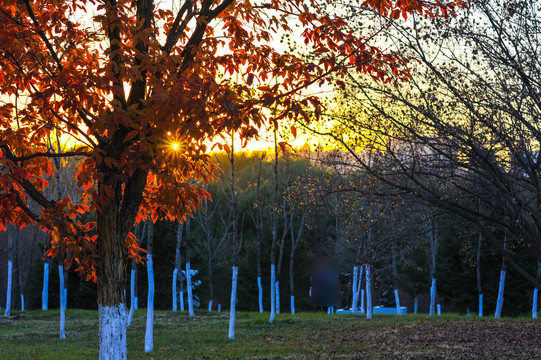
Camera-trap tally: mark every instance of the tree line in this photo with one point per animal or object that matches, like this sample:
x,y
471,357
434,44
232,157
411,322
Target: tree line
x,y
406,243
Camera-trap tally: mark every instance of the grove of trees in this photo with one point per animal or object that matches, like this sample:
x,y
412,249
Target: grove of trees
x,y
117,151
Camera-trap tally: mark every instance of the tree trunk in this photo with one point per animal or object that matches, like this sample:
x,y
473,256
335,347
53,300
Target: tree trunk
x,y
295,239
111,279
211,288
274,233
432,241
354,290
368,293
177,269
285,221
133,282
65,289
535,292
232,314
362,301
395,279
360,290
478,269
45,292
258,226
260,293
292,281
10,269
338,240
62,300
499,302
149,333
432,297
234,250
139,233
20,266
189,270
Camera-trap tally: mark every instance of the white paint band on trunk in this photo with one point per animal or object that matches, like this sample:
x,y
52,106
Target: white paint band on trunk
x,y
480,305
8,289
355,289
397,301
432,297
499,302
149,332
534,304
234,278
260,291
62,308
174,289
368,293
45,291
189,286
273,294
113,320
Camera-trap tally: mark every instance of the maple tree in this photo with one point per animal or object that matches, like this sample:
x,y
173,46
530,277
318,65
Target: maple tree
x,y
127,79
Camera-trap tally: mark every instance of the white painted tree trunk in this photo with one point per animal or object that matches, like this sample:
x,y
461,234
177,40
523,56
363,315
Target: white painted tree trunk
x,y
210,305
439,309
22,302
355,290
62,308
231,334
45,292
432,298
292,304
136,303
534,304
174,286
273,294
149,336
277,286
368,293
416,304
360,290
260,291
362,301
132,297
8,291
181,301
113,321
65,305
480,305
499,303
397,301
189,286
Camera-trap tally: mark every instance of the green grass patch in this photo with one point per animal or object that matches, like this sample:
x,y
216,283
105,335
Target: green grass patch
x,y
34,335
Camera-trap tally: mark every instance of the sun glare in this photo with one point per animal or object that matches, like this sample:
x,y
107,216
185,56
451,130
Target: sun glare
x,y
175,146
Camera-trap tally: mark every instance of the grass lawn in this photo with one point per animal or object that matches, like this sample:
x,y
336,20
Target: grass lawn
x,y
34,335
